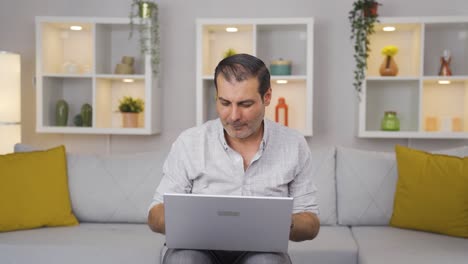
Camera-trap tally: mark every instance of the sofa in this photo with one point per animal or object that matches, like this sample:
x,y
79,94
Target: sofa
x,y
110,194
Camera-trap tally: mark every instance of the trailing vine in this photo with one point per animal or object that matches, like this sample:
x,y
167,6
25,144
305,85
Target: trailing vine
x,y
362,20
148,28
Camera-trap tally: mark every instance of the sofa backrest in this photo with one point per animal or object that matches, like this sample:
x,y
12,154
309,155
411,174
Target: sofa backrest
x,y
323,163
113,188
119,188
366,183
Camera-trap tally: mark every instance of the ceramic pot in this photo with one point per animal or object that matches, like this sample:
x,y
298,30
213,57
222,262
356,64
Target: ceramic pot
x,y
372,10
145,9
388,67
280,67
129,120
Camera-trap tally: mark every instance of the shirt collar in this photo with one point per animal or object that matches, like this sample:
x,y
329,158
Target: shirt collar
x,y
224,143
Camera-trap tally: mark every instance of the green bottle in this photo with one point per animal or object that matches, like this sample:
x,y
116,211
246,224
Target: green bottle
x,y
87,115
61,113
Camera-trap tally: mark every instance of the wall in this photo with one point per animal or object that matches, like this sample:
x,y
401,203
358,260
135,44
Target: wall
x,y
335,102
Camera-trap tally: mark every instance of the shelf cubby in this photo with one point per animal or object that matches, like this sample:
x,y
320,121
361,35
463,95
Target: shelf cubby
x,y
268,39
426,107
78,66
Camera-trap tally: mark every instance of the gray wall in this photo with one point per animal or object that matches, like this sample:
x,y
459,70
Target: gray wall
x,y
335,103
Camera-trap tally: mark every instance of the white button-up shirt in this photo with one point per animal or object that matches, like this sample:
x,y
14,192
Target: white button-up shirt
x,y
201,162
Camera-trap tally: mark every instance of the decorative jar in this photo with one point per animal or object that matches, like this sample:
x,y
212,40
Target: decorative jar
x,y
280,67
390,121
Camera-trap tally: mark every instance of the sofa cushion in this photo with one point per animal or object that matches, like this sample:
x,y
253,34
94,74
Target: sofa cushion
x,y
34,190
113,188
431,193
333,245
366,183
86,243
389,245
323,163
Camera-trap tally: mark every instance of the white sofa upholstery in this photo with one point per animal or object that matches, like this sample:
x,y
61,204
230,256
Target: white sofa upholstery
x,y
86,243
110,195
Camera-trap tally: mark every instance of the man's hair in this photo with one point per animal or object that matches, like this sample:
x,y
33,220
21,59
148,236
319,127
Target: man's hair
x,y
241,67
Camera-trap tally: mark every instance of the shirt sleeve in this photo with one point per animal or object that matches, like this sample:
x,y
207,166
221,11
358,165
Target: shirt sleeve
x,y
302,188
175,177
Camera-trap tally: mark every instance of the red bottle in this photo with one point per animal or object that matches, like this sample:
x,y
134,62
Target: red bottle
x,y
281,112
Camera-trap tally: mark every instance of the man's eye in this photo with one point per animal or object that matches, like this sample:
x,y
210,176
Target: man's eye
x,y
249,104
224,103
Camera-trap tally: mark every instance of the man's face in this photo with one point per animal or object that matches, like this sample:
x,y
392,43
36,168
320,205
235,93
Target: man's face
x,y
240,106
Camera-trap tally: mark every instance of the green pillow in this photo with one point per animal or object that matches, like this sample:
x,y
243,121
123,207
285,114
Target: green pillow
x,y
34,190
431,193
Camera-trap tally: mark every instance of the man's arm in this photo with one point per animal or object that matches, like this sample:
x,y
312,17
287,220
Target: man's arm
x,y
156,219
304,226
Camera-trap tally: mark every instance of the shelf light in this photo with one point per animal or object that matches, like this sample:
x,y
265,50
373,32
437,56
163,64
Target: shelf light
x,y
444,82
76,28
389,28
281,81
232,29
128,80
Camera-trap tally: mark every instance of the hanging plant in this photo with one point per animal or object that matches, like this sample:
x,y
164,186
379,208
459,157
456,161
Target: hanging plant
x,y
362,17
147,14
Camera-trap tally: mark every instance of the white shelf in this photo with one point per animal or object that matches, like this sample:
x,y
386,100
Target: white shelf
x,y
415,93
421,135
268,39
93,53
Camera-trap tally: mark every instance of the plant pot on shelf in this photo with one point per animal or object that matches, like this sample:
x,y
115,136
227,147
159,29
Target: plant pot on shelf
x,y
145,9
388,67
129,120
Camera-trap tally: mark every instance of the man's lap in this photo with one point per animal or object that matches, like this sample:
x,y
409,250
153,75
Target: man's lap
x,y
187,256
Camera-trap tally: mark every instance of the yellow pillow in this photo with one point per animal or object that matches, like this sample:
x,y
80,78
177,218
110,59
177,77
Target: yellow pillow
x,y
431,193
34,190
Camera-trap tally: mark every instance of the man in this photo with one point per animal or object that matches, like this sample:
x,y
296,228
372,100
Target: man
x,y
241,153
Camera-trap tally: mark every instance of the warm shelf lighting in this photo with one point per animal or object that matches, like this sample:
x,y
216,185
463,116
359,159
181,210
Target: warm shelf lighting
x,y
389,28
232,29
76,28
10,101
281,81
444,82
128,80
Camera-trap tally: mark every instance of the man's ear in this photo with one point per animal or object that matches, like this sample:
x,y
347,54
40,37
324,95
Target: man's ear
x,y
267,97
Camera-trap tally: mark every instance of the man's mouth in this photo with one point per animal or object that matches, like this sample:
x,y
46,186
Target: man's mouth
x,y
237,126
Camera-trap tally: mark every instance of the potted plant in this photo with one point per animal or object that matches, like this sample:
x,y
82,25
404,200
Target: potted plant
x,y
362,17
130,108
146,13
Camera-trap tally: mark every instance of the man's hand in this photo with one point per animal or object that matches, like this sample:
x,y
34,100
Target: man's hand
x,y
304,226
156,219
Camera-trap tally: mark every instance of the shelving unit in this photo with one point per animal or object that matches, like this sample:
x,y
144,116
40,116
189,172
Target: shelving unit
x,y
268,39
78,67
426,109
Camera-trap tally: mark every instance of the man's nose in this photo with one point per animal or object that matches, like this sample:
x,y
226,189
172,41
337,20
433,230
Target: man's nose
x,y
235,113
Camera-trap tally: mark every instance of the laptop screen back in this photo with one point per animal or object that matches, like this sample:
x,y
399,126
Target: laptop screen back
x,y
237,223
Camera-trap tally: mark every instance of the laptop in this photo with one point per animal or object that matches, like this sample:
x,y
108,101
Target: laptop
x,y
221,222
